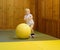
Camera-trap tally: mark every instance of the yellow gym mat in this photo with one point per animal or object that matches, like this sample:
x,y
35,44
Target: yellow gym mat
x,y
31,45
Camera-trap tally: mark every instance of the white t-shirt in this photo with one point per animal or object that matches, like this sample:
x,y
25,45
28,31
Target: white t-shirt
x,y
29,22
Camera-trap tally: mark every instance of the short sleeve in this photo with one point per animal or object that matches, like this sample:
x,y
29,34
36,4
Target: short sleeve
x,y
31,15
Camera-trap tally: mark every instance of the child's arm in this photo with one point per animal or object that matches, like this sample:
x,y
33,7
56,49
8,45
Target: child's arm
x,y
25,18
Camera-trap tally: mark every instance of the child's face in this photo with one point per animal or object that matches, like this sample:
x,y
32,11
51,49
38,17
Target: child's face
x,y
27,12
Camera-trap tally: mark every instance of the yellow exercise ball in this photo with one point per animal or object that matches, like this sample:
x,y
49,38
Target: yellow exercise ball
x,y
23,31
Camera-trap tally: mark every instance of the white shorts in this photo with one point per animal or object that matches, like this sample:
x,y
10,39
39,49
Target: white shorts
x,y
31,22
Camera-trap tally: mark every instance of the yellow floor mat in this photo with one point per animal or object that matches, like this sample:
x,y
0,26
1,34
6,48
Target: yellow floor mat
x,y
31,45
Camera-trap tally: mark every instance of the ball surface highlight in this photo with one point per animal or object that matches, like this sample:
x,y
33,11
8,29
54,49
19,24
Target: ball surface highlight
x,y
23,31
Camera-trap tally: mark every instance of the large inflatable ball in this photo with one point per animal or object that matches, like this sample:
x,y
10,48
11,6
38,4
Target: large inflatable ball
x,y
23,31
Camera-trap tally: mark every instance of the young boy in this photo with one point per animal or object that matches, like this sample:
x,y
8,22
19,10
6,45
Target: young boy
x,y
29,20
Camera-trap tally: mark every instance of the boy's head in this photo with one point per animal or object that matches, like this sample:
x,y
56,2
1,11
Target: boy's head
x,y
27,11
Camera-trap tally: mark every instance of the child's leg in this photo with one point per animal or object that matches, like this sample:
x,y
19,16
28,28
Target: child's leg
x,y
32,31
32,28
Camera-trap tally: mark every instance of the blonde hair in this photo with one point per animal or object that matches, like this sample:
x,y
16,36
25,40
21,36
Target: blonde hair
x,y
27,9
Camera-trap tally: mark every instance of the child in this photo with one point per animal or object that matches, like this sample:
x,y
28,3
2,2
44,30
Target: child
x,y
29,20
